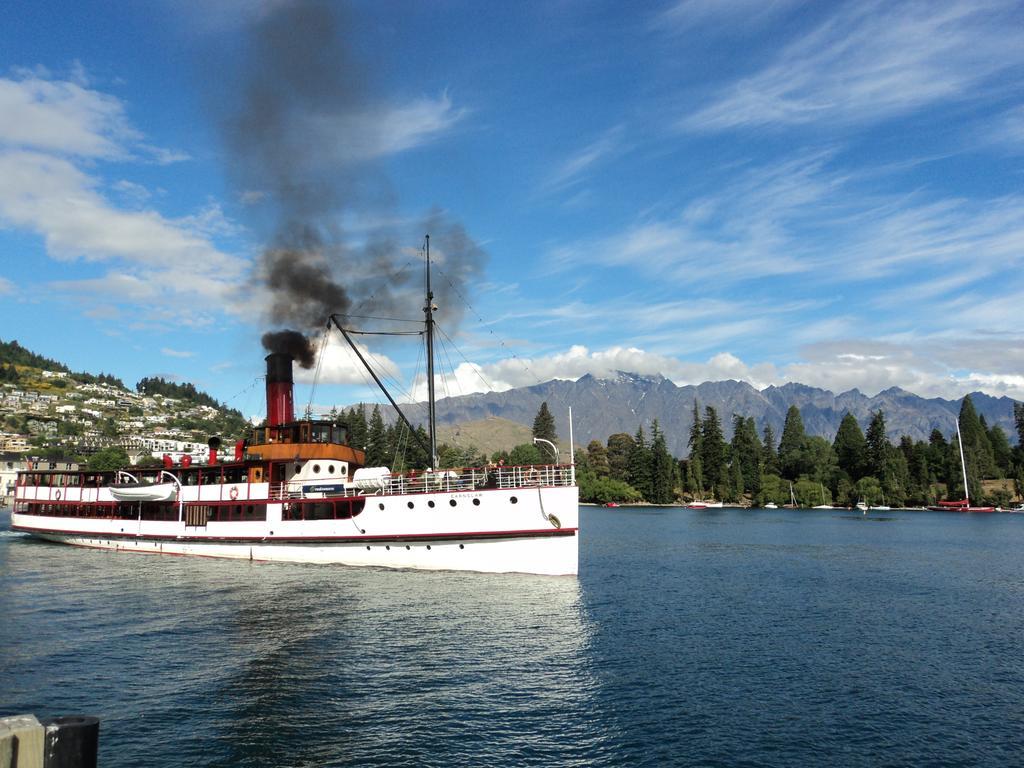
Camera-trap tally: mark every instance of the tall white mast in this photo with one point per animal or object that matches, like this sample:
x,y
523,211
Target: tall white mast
x,y
431,412
963,464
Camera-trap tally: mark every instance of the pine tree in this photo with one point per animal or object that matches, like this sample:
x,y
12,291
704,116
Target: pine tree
x,y
876,447
663,468
1002,453
620,446
355,420
712,450
849,447
597,459
544,429
696,428
791,444
377,453
746,453
770,457
640,465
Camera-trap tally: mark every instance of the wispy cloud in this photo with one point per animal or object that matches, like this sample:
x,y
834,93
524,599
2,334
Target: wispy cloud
x,y
872,61
684,15
168,352
384,129
584,160
743,233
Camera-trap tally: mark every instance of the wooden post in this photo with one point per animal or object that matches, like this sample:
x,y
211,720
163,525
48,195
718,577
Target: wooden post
x,y
21,742
72,741
57,742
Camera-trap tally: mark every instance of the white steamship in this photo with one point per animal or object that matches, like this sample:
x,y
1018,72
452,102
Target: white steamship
x,y
296,491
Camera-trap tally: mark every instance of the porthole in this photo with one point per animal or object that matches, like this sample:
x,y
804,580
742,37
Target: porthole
x,y
367,547
476,502
330,469
430,504
408,547
387,547
462,546
316,469
428,546
298,467
514,500
381,506
453,502
410,505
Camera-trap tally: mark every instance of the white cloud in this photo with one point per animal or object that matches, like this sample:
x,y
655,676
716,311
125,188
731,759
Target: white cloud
x,y
926,367
54,198
338,364
871,61
176,353
64,118
6,287
53,135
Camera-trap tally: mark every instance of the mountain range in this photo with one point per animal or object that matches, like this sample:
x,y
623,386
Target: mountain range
x,y
605,406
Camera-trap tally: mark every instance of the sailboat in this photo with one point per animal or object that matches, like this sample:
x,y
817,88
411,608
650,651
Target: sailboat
x,y
965,504
880,507
823,505
792,499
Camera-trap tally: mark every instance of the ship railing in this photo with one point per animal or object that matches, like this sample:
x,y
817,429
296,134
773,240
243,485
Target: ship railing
x,y
475,478
446,481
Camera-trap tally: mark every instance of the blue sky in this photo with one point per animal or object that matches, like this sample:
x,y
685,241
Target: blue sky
x,y
770,191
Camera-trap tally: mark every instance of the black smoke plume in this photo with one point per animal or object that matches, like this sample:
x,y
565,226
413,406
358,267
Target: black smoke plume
x,y
291,343
301,154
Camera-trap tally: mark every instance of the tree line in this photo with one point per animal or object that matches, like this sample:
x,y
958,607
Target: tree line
x,y
856,466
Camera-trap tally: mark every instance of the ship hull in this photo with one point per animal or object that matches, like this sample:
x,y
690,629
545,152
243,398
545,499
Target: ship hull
x,y
503,531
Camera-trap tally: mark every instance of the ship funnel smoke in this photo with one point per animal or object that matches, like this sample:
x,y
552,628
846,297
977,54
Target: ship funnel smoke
x,y
306,139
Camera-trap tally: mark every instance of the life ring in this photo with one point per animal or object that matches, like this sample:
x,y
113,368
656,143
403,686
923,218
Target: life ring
x,y
554,521
532,476
233,493
57,495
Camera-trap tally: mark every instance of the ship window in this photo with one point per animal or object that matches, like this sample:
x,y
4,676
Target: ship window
x,y
316,468
514,500
476,502
330,469
453,502
298,467
410,505
381,506
430,504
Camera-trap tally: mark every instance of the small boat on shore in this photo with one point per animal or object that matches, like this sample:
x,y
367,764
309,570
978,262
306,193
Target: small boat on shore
x,y
705,505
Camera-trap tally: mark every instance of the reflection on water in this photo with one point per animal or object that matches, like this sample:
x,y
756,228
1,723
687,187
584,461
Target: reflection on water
x,y
226,663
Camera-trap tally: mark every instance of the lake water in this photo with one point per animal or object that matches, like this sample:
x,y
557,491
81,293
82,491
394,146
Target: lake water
x,y
712,638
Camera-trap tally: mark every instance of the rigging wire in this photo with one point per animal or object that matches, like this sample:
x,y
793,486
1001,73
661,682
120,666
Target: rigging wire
x,y
316,373
498,339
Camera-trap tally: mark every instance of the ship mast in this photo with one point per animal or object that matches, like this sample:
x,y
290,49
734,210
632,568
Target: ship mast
x,y
428,310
